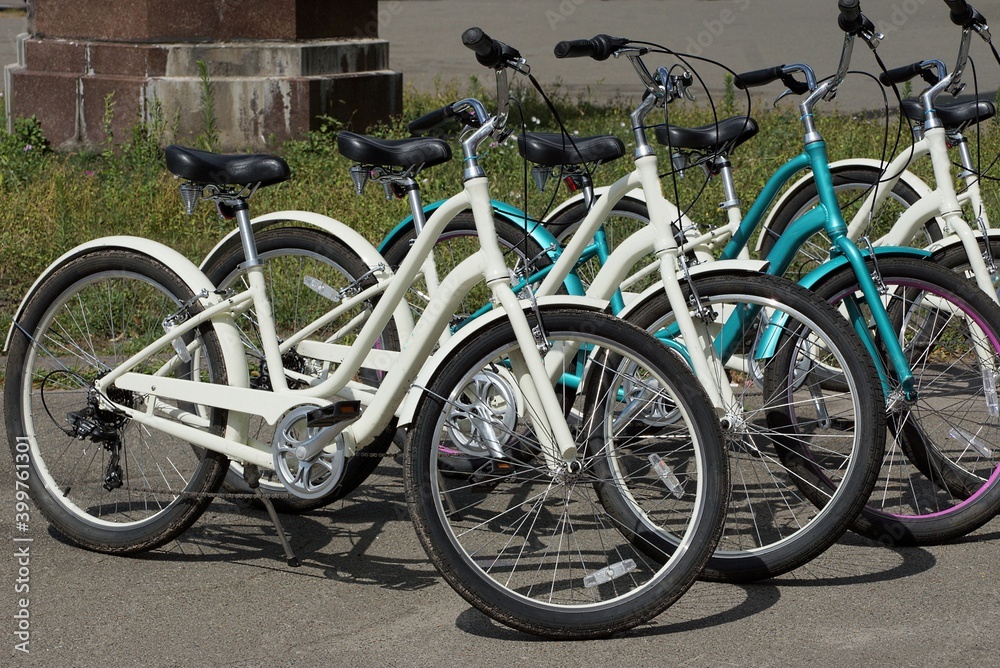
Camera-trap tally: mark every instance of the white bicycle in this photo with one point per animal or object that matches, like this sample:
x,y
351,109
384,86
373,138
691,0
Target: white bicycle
x,y
128,391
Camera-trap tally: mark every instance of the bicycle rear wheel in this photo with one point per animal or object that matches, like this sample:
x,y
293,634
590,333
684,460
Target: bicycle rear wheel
x,y
293,259
103,481
543,547
852,183
627,217
941,474
459,240
803,452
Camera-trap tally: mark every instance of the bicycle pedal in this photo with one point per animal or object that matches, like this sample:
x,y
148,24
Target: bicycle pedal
x,y
327,416
487,477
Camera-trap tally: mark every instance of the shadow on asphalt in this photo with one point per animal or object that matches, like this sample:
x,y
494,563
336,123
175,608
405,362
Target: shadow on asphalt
x,y
750,599
338,543
333,543
857,560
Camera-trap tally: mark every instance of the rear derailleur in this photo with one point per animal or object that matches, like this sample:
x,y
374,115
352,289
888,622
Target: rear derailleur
x,y
105,427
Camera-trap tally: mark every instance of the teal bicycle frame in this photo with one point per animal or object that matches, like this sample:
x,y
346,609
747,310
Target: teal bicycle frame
x,y
826,216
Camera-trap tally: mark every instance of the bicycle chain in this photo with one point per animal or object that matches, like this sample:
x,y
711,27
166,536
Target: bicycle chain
x,y
239,495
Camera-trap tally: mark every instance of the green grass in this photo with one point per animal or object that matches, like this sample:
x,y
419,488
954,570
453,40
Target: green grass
x,y
53,202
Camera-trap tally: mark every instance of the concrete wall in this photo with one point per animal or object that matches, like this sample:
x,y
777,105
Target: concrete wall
x,y
274,66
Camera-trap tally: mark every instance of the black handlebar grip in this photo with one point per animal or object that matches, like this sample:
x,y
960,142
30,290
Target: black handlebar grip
x,y
758,77
431,120
961,13
907,72
489,52
574,48
600,47
478,41
850,19
899,75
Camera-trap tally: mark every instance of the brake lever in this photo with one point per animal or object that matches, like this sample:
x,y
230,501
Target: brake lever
x,y
520,66
788,91
648,80
795,87
680,85
872,38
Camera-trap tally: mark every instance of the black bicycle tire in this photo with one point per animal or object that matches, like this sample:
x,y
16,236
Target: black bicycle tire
x,y
188,502
792,550
936,525
474,584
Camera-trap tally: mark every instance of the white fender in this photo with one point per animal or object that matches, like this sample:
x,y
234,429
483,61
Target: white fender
x,y
334,227
233,352
909,178
636,194
749,267
474,328
351,238
184,268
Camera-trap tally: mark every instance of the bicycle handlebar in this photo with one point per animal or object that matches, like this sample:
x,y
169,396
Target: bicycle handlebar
x,y
600,47
852,20
758,77
766,76
489,52
431,120
906,72
961,12
850,15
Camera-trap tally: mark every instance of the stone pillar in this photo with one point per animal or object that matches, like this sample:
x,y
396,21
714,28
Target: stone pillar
x,y
274,66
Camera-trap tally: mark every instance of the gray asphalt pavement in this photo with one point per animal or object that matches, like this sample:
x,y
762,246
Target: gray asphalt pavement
x,y
425,37
365,595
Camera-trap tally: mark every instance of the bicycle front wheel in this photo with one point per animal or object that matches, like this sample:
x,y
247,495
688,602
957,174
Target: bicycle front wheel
x,y
941,474
555,549
803,451
103,481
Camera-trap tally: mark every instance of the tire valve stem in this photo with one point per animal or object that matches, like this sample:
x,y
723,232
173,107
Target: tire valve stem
x,y
608,574
666,474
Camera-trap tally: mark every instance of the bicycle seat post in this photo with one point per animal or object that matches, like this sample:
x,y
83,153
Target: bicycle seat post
x,y
241,209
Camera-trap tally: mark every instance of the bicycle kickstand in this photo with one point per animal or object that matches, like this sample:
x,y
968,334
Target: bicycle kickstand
x,y
252,476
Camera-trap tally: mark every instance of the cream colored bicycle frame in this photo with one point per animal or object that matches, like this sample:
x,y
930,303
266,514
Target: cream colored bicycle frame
x,y
400,368
943,202
657,237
